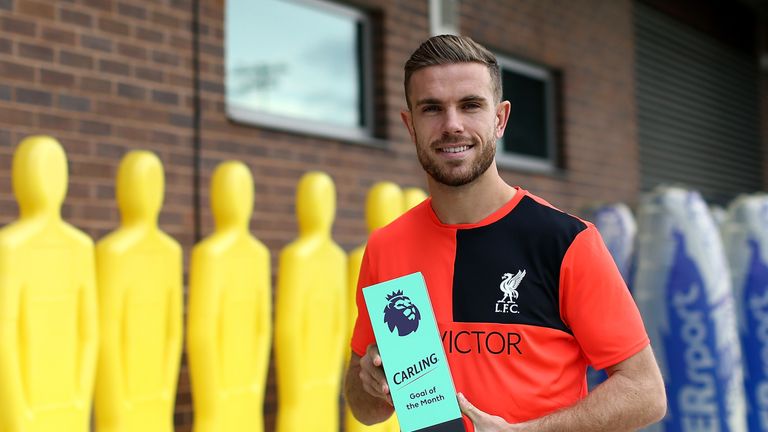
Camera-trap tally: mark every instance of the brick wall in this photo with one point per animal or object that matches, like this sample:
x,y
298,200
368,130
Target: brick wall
x,y
107,76
103,77
591,44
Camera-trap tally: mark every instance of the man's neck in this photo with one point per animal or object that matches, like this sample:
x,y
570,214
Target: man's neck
x,y
472,202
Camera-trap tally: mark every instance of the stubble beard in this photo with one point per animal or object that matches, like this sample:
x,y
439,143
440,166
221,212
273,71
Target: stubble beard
x,y
446,174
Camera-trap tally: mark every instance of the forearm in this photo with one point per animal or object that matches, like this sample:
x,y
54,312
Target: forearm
x,y
627,400
366,408
613,406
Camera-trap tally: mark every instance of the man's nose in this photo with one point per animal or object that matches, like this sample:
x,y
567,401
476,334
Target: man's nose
x,y
453,122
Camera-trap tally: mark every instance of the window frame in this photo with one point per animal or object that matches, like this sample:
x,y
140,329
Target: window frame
x,y
437,24
509,159
360,134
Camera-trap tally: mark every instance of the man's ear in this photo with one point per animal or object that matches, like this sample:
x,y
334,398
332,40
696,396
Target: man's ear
x,y
407,118
502,116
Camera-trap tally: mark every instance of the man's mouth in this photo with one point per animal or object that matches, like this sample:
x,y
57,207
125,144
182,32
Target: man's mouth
x,y
458,149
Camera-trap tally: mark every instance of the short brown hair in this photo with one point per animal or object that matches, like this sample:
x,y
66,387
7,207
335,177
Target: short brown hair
x,y
450,49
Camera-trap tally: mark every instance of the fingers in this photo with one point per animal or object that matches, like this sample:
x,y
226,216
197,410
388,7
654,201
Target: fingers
x,y
372,374
468,409
372,365
373,352
480,419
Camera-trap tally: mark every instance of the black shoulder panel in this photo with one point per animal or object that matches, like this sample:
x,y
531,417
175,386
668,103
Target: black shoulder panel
x,y
509,271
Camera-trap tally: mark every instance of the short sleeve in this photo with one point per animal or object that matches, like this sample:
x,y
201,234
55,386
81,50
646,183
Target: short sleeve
x,y
362,334
596,303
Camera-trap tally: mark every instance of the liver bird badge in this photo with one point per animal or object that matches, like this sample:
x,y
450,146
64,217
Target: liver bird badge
x,y
509,286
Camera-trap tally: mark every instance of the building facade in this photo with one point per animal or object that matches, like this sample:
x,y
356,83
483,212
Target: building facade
x,y
108,76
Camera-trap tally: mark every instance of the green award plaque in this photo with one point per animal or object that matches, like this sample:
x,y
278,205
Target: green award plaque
x,y
412,354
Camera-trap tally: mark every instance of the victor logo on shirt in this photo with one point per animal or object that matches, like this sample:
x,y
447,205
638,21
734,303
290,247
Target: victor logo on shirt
x,y
401,314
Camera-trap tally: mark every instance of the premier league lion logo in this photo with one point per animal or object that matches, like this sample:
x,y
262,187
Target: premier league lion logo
x,y
401,313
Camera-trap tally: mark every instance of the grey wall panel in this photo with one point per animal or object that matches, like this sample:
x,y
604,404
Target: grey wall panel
x,y
698,110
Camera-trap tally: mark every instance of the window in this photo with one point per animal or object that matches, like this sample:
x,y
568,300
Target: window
x,y
298,65
443,17
530,140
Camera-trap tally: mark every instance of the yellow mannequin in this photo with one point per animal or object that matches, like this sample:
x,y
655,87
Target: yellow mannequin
x,y
310,333
382,206
412,197
230,305
48,316
139,272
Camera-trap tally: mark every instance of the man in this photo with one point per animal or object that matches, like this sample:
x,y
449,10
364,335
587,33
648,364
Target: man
x,y
525,296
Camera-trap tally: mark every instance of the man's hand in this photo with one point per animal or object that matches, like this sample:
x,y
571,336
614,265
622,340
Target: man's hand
x,y
482,421
372,374
631,398
366,389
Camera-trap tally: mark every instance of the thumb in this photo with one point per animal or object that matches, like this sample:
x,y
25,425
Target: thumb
x,y
467,408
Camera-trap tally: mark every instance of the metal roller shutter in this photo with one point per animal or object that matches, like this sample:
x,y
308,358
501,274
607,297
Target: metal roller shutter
x,y
698,112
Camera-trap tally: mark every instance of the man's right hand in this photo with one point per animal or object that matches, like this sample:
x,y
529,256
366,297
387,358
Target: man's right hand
x,y
372,374
366,389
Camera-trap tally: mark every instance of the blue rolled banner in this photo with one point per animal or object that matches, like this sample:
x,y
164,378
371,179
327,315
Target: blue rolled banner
x,y
745,234
683,289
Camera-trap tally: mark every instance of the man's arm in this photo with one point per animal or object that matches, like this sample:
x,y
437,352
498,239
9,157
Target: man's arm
x,y
632,397
366,389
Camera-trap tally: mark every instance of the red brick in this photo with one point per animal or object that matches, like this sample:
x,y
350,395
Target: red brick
x,y
59,36
17,26
10,70
165,58
114,67
180,120
90,127
165,20
5,141
95,85
104,5
55,122
114,26
133,51
130,91
136,134
56,78
109,150
149,74
132,11
69,58
33,97
37,9
164,97
164,138
74,17
96,43
74,103
36,52
149,35
16,117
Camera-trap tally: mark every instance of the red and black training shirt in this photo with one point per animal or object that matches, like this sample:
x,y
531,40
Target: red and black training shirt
x,y
516,349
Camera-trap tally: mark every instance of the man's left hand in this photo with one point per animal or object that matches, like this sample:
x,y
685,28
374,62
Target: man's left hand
x,y
482,421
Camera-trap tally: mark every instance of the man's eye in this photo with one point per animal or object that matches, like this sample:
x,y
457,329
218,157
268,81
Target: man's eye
x,y
471,106
430,108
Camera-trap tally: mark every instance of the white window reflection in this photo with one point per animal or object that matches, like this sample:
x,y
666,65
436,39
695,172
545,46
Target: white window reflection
x,y
289,60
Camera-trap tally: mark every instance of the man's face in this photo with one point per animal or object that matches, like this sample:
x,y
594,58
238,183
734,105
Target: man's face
x,y
454,121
